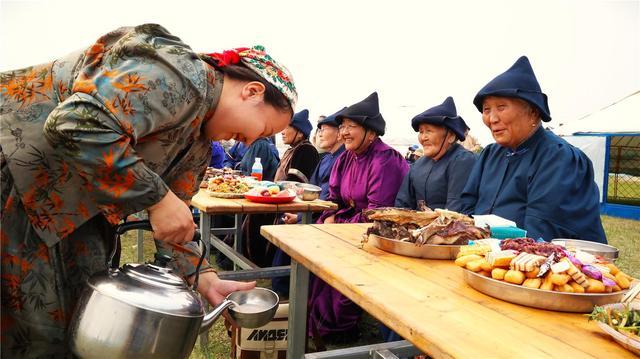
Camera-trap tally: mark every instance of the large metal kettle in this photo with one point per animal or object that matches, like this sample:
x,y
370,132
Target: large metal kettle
x,y
147,311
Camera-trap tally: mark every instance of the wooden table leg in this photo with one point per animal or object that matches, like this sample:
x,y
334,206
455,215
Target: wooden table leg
x,y
298,293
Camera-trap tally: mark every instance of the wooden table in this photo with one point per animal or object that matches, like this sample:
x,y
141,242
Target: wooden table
x,y
210,206
427,301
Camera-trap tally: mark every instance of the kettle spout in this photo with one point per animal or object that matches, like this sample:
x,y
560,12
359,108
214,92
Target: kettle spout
x,y
211,317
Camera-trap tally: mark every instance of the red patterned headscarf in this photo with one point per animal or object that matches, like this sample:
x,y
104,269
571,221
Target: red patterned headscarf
x,y
257,59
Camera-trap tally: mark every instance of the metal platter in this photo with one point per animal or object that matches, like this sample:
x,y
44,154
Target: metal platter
x,y
538,298
595,248
429,251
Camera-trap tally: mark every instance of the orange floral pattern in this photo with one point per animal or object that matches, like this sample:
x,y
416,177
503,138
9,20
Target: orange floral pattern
x,y
122,125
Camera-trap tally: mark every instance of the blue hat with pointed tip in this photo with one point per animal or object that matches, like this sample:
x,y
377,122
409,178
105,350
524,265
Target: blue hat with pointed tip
x,y
331,119
445,115
518,81
366,113
300,122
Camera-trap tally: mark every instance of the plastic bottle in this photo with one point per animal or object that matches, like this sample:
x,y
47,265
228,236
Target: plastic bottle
x,y
256,170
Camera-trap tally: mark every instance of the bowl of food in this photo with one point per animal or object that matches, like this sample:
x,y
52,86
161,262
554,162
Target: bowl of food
x,y
287,184
308,192
594,248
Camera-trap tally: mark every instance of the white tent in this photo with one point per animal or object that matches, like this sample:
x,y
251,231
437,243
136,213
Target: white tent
x,y
610,137
620,117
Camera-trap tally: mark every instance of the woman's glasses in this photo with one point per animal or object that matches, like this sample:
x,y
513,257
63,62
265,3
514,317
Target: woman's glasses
x,y
347,128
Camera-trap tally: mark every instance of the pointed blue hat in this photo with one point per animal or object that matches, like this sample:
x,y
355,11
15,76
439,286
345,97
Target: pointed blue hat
x,y
445,115
366,113
300,122
518,81
331,119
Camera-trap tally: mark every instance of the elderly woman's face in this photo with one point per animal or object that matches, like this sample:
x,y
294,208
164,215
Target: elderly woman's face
x,y
510,120
354,136
290,135
328,136
434,140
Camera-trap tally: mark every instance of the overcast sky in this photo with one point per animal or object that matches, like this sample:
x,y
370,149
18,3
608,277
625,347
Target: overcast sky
x,y
586,54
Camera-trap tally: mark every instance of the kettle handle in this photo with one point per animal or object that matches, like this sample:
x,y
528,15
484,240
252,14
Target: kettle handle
x,y
146,225
120,230
129,226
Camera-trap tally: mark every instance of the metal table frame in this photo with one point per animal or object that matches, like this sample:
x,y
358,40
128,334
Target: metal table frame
x,y
250,270
391,350
298,297
234,254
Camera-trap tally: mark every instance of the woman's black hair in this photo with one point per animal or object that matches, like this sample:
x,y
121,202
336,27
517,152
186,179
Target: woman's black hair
x,y
239,71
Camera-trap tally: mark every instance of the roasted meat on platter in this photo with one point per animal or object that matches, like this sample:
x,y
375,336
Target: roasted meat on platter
x,y
401,216
424,227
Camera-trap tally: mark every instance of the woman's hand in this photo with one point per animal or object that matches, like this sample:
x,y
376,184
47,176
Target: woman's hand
x,y
330,219
290,218
171,220
215,289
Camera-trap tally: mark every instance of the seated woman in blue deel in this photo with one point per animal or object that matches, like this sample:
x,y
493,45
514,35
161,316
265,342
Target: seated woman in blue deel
x,y
438,177
530,175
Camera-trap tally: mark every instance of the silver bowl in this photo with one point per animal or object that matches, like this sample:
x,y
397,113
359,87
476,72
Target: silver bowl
x,y
595,248
288,184
308,192
253,308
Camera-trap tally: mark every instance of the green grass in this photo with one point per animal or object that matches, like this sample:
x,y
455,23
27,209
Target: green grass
x,y
621,233
627,191
624,234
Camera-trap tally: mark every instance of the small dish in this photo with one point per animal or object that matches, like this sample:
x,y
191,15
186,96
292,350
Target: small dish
x,y
308,192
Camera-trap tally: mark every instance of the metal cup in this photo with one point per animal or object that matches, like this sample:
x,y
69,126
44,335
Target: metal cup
x,y
253,308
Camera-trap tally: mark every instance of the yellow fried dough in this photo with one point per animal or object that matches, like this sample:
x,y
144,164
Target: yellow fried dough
x,y
547,284
622,281
559,279
498,273
486,266
514,276
577,288
462,261
532,274
595,286
565,288
612,268
532,283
